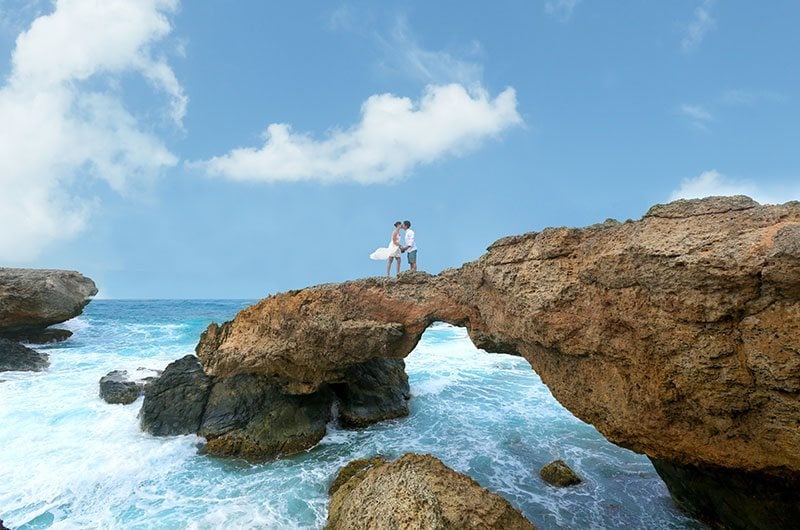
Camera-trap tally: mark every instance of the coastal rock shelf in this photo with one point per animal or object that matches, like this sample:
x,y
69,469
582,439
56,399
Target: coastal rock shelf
x,y
33,299
675,336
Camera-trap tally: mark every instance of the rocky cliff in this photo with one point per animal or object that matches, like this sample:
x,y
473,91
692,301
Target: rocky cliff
x,y
675,335
33,299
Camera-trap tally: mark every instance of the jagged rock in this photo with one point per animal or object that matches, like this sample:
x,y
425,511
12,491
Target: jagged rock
x,y
354,470
248,416
16,357
174,403
675,335
118,387
418,491
559,474
376,390
33,299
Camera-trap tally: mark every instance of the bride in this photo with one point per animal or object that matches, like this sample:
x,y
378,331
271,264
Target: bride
x,y
391,252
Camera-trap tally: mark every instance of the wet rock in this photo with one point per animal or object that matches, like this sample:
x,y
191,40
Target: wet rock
x,y
119,387
732,499
41,336
16,357
174,403
354,470
559,474
420,492
248,416
33,299
376,390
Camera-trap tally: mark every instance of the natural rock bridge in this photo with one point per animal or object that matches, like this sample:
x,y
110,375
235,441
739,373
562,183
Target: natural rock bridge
x,y
677,336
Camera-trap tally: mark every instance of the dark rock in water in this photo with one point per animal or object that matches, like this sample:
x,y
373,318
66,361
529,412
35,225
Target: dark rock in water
x,y
174,403
376,390
354,470
248,416
41,336
731,498
420,492
2,526
32,299
116,387
559,474
16,357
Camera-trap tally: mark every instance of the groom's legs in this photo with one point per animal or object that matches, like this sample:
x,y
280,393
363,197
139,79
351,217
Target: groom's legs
x,y
412,260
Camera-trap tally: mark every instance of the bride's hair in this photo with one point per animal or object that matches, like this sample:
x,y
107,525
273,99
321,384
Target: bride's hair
x,y
398,223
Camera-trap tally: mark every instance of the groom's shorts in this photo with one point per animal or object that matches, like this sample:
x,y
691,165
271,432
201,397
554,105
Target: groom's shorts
x,y
412,256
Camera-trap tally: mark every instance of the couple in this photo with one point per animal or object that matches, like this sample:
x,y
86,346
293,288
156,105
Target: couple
x,y
392,252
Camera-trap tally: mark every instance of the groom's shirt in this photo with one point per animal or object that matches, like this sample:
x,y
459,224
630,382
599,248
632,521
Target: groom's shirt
x,y
410,242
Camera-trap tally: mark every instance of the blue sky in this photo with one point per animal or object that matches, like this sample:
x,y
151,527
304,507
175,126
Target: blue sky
x,y
135,144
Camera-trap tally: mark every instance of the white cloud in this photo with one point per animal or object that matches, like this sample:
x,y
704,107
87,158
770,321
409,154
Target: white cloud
x,y
702,22
561,9
710,183
698,115
393,136
63,119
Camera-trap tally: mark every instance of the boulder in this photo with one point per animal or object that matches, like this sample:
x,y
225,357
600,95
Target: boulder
x,y
418,492
33,299
16,357
174,403
117,387
375,391
248,416
559,474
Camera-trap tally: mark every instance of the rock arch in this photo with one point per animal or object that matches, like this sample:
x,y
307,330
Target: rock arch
x,y
676,336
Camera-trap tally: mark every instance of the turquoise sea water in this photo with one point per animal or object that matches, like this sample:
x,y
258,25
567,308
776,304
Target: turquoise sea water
x,y
69,460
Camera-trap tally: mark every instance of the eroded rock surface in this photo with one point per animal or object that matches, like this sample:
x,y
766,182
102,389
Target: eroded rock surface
x,y
249,416
16,357
418,492
174,403
676,335
376,391
33,299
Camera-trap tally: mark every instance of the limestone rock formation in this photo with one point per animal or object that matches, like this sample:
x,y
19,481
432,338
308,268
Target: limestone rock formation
x,y
33,299
418,492
676,335
354,470
174,403
376,390
559,474
118,387
16,357
248,416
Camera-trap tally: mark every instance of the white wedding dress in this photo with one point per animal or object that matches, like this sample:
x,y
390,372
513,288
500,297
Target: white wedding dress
x,y
384,253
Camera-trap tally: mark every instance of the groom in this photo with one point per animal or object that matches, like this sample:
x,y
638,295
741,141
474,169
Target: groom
x,y
410,245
